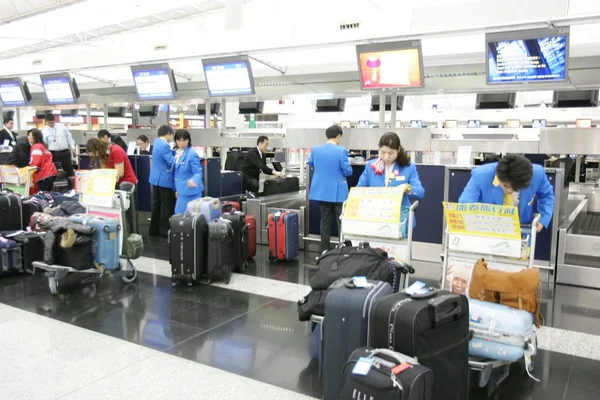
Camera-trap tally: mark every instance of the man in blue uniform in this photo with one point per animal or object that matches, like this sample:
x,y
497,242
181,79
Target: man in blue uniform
x,y
329,186
161,179
513,181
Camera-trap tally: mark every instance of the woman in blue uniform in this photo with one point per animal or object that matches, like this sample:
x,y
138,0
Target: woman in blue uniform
x,y
392,169
189,179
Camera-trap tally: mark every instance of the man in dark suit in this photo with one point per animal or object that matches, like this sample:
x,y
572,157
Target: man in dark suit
x,y
116,139
20,156
7,134
254,162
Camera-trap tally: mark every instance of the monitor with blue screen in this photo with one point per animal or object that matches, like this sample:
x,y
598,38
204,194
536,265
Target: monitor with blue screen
x,y
229,76
59,89
154,82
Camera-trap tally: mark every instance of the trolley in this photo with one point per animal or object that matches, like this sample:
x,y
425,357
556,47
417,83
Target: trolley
x,y
17,180
456,252
127,270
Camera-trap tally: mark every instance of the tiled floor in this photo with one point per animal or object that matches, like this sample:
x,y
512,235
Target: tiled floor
x,y
250,327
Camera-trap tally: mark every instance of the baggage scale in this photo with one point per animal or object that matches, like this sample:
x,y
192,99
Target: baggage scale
x,y
501,253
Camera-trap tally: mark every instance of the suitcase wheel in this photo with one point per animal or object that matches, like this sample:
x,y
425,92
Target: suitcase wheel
x,y
130,276
53,285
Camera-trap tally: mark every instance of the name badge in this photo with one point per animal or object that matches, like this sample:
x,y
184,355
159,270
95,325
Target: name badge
x,y
400,178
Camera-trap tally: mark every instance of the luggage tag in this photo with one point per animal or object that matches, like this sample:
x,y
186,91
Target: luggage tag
x,y
360,281
414,288
362,366
401,368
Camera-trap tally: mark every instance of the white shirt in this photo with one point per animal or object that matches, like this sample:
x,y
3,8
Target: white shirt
x,y
516,198
58,138
12,135
259,152
388,170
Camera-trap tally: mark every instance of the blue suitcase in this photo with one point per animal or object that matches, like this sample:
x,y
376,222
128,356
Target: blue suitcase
x,y
284,235
231,183
499,332
207,206
105,241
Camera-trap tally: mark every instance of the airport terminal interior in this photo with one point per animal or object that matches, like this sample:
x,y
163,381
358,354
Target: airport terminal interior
x,y
462,83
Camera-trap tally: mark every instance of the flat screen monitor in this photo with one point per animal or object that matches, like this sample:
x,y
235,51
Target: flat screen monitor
x,y
416,123
513,123
451,123
59,89
540,55
154,81
393,65
538,123
583,123
473,123
229,76
13,93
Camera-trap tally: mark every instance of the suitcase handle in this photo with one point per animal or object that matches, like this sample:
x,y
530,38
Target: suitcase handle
x,y
393,355
444,309
403,267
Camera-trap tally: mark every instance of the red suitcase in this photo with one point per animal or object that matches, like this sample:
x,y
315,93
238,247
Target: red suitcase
x,y
251,222
230,206
284,242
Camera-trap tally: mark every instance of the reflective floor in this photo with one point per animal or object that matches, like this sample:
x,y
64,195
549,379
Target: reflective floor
x,y
251,329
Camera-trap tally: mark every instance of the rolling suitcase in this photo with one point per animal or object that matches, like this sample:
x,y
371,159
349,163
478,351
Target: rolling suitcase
x,y
231,183
434,330
499,332
251,222
240,240
11,212
393,376
346,327
220,257
10,257
281,185
29,207
284,231
207,206
105,240
32,248
187,247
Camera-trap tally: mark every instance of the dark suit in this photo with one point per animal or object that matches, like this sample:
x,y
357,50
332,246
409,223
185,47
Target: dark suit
x,y
251,167
4,135
118,140
143,152
20,155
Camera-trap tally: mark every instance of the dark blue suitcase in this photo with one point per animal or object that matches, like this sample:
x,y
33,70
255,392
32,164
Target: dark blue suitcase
x,y
284,235
231,183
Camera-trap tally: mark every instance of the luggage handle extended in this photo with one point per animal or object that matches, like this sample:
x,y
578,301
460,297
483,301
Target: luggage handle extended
x,y
444,309
394,355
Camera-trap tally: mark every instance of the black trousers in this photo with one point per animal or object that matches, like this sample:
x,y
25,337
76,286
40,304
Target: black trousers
x,y
250,183
163,207
46,185
328,212
64,157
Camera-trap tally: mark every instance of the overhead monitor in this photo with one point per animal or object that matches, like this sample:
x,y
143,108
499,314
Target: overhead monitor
x,y
154,81
229,76
540,55
513,123
13,93
474,123
583,123
416,123
394,65
60,88
538,123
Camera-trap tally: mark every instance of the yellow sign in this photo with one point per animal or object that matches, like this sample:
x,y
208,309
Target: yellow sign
x,y
480,219
99,187
375,204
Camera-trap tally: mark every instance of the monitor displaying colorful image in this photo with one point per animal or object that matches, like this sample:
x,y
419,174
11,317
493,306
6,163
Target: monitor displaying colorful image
x,y
154,82
528,56
229,76
394,65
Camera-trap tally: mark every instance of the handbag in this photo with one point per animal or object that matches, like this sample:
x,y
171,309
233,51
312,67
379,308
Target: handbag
x,y
520,290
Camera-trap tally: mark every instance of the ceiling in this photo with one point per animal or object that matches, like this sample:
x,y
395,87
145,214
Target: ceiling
x,y
13,10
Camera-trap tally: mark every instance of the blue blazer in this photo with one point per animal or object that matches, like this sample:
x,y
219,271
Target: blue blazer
x,y
188,167
481,189
406,174
331,169
161,172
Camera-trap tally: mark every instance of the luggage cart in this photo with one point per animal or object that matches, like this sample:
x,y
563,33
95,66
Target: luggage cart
x,y
127,270
488,371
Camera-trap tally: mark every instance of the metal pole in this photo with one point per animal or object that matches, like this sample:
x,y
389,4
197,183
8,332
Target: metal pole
x,y
207,114
88,116
105,116
382,111
577,169
394,104
223,128
18,118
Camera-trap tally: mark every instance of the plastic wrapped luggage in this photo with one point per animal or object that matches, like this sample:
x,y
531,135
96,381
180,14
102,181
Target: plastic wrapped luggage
x,y
499,332
251,222
220,257
284,231
10,257
188,247
346,327
11,212
207,206
434,330
393,376
240,240
105,240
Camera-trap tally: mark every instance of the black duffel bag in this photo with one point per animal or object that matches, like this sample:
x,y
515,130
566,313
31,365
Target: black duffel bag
x,y
346,261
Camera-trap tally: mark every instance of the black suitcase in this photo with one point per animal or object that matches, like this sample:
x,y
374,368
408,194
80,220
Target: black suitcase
x,y
434,330
11,212
187,247
393,376
292,184
32,246
220,257
240,240
232,183
281,185
346,328
29,207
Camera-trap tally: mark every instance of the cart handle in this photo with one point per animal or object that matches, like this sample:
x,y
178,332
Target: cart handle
x,y
535,221
414,205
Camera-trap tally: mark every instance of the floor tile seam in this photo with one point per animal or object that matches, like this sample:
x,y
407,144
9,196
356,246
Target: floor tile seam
x,y
568,380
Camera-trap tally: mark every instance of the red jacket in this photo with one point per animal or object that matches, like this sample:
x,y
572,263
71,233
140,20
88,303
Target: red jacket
x,y
42,159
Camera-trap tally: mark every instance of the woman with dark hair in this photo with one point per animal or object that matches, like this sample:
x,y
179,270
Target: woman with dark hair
x,y
110,155
189,178
392,169
41,158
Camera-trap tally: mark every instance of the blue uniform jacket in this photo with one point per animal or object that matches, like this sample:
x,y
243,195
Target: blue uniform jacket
x,y
188,167
484,188
331,169
161,172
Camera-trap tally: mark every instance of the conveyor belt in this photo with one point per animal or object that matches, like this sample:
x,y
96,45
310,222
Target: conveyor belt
x,y
589,224
586,261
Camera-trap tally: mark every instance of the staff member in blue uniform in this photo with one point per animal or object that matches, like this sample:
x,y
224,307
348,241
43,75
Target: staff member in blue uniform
x,y
512,181
161,179
188,181
329,186
393,168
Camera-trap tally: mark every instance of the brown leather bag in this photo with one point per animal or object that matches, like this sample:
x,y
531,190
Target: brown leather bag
x,y
514,289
